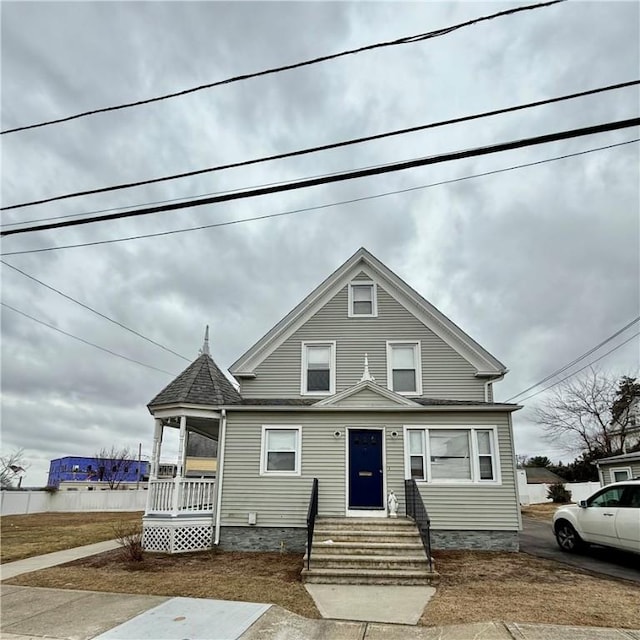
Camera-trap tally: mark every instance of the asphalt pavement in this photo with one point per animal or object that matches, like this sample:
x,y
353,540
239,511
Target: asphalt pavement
x,y
537,539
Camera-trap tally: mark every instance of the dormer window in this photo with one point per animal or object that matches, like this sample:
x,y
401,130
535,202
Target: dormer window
x,y
363,299
318,368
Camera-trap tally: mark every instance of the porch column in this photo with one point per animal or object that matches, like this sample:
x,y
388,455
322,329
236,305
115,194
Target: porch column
x,y
177,489
155,454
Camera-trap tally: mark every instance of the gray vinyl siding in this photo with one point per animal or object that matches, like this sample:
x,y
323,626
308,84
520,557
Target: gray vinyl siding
x,y
606,469
445,373
283,501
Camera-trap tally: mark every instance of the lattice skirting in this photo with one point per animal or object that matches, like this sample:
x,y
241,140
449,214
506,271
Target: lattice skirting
x,y
177,537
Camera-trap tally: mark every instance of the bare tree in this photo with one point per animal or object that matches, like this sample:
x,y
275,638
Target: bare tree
x,y
114,465
12,469
584,415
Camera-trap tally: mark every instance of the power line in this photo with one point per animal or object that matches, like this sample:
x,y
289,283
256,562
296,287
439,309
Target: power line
x,y
576,360
91,344
604,355
102,315
326,147
349,175
318,207
405,40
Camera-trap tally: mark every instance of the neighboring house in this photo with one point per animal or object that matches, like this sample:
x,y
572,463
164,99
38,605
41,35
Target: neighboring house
x,y
541,475
617,468
364,385
92,470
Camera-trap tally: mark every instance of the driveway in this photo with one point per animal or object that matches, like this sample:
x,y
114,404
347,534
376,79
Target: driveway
x,y
537,539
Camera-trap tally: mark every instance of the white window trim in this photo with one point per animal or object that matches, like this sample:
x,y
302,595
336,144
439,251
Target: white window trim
x,y
613,470
374,299
417,349
332,365
475,460
263,450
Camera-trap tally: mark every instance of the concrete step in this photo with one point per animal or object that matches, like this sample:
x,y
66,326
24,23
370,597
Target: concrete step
x,y
360,561
369,576
408,535
365,523
371,548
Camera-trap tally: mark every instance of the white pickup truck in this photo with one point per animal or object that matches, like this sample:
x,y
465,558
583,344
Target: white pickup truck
x,y
610,517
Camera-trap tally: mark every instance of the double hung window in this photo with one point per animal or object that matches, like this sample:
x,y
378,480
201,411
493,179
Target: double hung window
x,y
362,299
451,454
318,368
280,450
404,374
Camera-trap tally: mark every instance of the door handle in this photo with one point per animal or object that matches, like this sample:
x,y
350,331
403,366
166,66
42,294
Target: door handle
x,y
608,514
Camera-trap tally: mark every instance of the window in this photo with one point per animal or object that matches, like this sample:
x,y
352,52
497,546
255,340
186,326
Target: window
x,y
75,468
404,373
607,498
445,454
363,300
318,368
280,451
620,474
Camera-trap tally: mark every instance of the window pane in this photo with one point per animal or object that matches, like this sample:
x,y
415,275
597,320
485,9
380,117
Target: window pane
x,y
363,308
362,293
417,467
619,476
484,442
403,357
486,468
318,380
281,461
415,442
281,440
610,498
404,380
318,356
450,455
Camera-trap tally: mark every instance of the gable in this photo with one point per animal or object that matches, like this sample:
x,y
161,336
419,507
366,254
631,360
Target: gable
x,y
366,395
362,265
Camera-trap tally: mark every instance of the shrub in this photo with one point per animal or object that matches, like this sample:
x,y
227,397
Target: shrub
x,y
129,536
51,489
559,493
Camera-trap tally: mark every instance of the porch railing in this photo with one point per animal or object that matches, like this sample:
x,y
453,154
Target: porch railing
x,y
417,511
311,518
181,496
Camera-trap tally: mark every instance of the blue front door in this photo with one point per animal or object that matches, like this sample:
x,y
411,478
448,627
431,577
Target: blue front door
x,y
365,469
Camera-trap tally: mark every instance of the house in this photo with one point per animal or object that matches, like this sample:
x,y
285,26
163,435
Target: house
x,y
365,387
541,475
616,468
81,472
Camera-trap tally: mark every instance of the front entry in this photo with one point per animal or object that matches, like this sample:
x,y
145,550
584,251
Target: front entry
x,y
365,470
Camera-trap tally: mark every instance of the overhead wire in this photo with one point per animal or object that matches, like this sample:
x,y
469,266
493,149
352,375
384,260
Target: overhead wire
x,y
91,344
349,175
562,369
604,355
318,207
326,147
399,41
96,312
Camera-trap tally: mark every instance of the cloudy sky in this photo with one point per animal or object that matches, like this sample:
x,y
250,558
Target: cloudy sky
x,y
538,264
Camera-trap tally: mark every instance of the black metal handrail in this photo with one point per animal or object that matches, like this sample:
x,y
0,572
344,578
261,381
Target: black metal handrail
x,y
417,511
311,518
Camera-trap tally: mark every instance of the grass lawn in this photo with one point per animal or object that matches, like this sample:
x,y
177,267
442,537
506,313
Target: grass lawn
x,y
475,586
37,533
542,511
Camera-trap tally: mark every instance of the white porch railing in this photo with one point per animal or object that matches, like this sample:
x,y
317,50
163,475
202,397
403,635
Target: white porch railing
x,y
181,496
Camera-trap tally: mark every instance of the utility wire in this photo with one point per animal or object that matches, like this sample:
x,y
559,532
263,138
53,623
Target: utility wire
x,y
379,45
102,315
91,344
322,206
350,175
557,372
604,355
325,147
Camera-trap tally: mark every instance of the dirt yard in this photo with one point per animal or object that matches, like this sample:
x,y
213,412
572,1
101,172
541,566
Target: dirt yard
x,y
542,511
39,533
475,586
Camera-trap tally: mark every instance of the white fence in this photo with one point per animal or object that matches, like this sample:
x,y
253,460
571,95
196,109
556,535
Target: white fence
x,y
22,502
537,493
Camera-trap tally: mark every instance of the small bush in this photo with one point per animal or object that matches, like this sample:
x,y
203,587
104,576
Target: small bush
x,y
129,536
559,493
51,489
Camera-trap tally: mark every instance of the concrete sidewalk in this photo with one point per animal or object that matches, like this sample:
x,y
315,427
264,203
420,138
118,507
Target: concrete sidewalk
x,y
12,569
32,613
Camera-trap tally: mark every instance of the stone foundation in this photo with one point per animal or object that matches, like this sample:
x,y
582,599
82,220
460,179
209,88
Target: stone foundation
x,y
475,540
263,539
